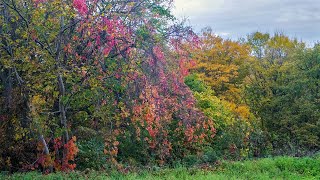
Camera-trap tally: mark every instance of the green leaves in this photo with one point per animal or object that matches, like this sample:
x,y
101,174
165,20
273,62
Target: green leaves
x,y
282,93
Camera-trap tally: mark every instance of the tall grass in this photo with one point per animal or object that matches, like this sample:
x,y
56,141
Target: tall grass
x,y
269,168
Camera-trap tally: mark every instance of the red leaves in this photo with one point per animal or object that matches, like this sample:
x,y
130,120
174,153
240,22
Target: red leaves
x,y
159,53
81,6
106,51
37,2
159,98
189,132
54,160
68,48
184,71
152,132
57,144
71,151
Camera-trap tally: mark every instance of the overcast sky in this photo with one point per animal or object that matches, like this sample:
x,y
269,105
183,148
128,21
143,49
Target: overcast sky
x,y
237,18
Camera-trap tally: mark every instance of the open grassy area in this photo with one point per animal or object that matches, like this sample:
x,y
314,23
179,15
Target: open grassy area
x,y
269,168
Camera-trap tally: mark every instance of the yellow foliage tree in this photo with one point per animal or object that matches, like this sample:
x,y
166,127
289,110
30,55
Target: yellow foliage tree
x,y
223,65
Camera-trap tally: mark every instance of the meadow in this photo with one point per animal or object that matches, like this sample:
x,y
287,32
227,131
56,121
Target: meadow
x,y
267,168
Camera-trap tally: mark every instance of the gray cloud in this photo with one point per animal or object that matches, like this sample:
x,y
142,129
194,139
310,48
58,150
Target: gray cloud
x,y
237,18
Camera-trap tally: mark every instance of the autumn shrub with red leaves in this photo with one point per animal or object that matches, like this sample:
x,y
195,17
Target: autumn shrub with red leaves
x,y
55,161
111,69
162,123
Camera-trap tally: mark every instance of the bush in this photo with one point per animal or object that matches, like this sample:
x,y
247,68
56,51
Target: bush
x,y
237,137
90,155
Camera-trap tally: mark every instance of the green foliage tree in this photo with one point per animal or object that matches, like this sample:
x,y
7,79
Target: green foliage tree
x,y
283,94
235,139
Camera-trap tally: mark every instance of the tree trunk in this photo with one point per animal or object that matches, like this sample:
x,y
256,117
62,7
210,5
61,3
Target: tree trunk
x,y
62,109
45,149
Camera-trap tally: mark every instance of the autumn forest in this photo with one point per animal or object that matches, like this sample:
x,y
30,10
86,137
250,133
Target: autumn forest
x,y
110,85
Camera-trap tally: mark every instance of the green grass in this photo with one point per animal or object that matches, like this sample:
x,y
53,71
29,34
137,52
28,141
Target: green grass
x,y
269,168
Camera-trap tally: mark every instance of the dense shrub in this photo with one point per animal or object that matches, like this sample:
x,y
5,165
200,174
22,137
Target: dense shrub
x,y
110,70
236,138
284,92
90,155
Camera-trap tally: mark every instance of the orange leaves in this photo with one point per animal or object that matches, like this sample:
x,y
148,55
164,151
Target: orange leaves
x,y
222,65
159,53
68,48
152,132
221,62
189,132
45,160
72,149
54,160
114,151
116,143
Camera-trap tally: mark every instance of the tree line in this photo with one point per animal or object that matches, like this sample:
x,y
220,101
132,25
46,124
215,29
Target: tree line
x,y
111,84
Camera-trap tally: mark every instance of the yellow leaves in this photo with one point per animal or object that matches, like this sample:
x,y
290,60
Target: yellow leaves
x,y
19,132
125,113
220,62
17,137
243,111
55,94
8,162
7,63
240,111
38,13
14,18
84,71
109,6
234,90
94,83
37,100
74,138
131,4
37,103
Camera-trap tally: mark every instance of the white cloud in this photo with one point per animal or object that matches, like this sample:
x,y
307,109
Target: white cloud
x,y
237,18
196,7
298,15
222,34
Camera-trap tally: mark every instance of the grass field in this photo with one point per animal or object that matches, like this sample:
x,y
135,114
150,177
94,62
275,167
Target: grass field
x,y
269,168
